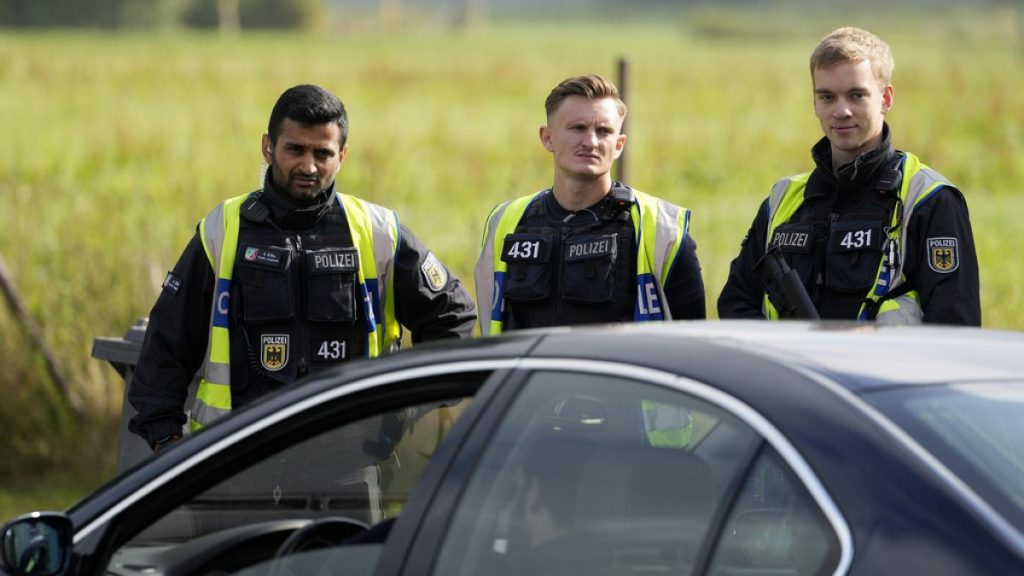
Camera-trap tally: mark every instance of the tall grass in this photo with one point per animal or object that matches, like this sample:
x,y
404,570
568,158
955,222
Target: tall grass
x,y
117,145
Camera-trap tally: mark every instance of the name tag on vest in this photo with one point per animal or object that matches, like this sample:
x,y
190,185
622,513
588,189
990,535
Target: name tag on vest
x,y
590,248
265,257
334,260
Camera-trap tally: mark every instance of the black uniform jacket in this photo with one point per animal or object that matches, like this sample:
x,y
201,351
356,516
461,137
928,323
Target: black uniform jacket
x,y
175,344
859,198
558,297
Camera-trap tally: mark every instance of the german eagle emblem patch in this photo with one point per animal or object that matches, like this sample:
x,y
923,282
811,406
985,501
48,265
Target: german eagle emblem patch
x,y
434,273
943,254
273,351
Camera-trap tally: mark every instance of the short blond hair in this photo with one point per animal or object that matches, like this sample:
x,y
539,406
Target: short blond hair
x,y
855,45
591,87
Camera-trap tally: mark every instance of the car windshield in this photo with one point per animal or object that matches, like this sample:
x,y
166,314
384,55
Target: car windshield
x,y
976,430
342,486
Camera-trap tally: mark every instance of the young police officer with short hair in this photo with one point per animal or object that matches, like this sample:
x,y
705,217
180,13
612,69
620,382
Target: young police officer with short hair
x,y
873,233
286,281
587,249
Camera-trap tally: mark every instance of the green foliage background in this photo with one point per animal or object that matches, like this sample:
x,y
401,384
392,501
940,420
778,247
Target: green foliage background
x,y
116,145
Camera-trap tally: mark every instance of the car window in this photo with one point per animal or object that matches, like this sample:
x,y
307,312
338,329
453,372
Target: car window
x,y
975,429
289,511
596,474
775,528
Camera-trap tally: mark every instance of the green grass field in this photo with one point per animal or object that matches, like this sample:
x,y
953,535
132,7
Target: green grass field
x,y
117,145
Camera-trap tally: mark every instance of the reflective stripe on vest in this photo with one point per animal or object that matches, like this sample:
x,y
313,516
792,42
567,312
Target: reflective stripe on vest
x,y
659,228
919,183
374,231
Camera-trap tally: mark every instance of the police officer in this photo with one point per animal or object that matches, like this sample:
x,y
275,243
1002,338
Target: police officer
x,y
286,281
872,232
588,249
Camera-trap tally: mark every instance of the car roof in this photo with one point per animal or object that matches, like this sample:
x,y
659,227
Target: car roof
x,y
857,355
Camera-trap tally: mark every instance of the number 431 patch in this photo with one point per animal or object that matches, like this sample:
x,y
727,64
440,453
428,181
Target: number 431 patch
x,y
943,254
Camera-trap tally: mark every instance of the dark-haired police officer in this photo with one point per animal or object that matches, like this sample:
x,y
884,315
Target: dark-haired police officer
x,y
287,281
588,249
873,233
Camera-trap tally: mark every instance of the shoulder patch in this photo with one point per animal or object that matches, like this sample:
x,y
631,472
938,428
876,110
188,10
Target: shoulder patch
x,y
943,254
172,284
434,273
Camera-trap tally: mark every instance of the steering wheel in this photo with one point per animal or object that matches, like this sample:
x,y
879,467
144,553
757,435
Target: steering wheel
x,y
321,533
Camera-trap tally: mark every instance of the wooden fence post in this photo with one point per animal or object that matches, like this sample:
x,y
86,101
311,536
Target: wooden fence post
x,y
623,83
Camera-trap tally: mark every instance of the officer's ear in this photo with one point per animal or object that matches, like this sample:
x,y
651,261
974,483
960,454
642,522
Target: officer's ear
x,y
887,94
268,149
341,154
545,138
620,145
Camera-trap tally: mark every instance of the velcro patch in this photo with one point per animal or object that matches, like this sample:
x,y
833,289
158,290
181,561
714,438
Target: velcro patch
x,y
943,254
791,240
526,248
274,351
853,237
333,260
434,273
275,258
590,248
172,284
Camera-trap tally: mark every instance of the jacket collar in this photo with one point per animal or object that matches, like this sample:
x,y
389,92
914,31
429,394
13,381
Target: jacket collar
x,y
861,172
290,216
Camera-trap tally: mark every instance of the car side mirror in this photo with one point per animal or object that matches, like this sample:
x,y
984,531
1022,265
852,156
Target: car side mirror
x,y
37,544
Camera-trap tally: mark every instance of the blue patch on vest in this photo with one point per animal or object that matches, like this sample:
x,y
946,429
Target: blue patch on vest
x,y
371,303
497,303
222,303
648,305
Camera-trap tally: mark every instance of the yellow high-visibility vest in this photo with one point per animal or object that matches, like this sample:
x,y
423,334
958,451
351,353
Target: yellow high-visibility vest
x,y
919,184
659,228
374,232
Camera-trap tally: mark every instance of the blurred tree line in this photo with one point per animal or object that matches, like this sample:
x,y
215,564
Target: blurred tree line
x,y
124,14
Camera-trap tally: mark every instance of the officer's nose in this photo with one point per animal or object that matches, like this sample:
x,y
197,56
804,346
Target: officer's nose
x,y
842,110
308,164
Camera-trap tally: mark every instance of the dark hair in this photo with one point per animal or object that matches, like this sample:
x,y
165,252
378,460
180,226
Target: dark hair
x,y
592,87
308,105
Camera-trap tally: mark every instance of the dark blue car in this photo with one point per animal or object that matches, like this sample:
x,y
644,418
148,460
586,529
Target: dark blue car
x,y
721,448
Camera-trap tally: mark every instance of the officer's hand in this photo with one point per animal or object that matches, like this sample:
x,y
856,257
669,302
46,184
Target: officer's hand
x,y
164,443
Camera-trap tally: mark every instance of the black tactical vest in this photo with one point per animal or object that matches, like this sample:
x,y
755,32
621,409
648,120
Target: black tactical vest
x,y
580,270
296,300
836,237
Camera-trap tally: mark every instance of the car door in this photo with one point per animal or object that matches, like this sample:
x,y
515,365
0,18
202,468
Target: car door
x,y
277,486
603,468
